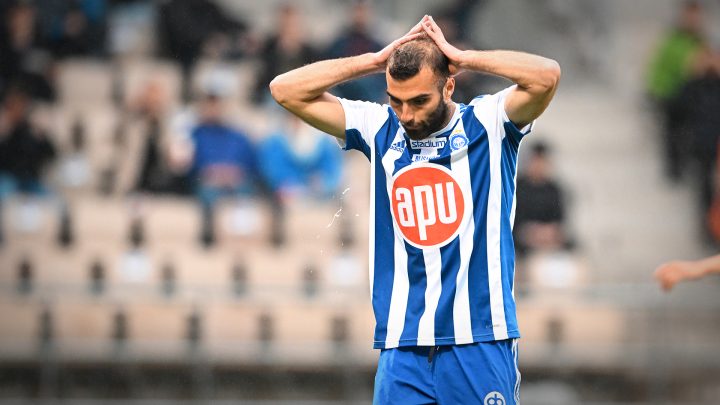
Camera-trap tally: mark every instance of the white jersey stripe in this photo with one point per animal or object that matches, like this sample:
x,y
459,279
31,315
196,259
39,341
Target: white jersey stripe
x,y
514,203
401,282
517,371
512,220
495,134
459,163
371,225
433,269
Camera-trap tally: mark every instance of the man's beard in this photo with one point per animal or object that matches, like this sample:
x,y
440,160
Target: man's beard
x,y
434,122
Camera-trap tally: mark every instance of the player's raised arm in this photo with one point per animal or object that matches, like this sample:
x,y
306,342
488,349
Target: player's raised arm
x,y
671,273
303,91
536,77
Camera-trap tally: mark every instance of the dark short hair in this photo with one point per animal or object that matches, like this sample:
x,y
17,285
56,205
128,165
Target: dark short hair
x,y
407,60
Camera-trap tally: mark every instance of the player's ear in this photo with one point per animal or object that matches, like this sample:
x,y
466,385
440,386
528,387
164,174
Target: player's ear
x,y
448,89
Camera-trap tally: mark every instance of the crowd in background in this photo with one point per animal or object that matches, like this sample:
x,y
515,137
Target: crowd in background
x,y
683,83
199,149
196,151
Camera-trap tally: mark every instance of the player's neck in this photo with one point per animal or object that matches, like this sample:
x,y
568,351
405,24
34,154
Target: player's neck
x,y
449,114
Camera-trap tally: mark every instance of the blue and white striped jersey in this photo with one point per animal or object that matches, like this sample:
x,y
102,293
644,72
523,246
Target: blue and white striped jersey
x,y
442,259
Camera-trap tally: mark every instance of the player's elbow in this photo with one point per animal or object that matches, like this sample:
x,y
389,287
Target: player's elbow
x,y
280,90
549,76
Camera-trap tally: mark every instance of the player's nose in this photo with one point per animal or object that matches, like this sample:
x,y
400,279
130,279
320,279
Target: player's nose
x,y
406,115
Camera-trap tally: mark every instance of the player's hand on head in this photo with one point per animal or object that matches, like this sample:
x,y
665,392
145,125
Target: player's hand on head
x,y
382,56
433,30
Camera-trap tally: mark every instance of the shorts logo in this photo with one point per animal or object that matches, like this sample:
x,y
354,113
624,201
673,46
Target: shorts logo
x,y
494,398
458,140
427,205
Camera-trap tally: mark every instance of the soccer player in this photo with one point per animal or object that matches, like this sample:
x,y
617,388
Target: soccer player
x,y
441,207
671,273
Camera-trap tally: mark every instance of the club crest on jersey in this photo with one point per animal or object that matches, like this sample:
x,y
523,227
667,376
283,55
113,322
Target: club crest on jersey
x,y
428,205
458,140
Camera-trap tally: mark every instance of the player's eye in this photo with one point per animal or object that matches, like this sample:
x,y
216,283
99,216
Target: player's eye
x,y
394,100
419,101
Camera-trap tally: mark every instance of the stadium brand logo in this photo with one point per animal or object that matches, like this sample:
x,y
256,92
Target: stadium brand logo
x,y
494,398
427,205
428,143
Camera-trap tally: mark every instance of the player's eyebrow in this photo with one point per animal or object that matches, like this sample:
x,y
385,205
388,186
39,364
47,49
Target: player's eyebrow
x,y
420,96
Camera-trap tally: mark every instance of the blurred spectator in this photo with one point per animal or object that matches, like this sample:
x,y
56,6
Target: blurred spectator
x,y
357,40
155,174
670,68
283,51
75,27
223,161
75,37
695,111
25,151
300,161
540,212
18,39
23,59
188,28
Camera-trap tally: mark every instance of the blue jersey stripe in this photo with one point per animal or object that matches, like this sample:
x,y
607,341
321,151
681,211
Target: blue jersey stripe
x,y
444,321
479,160
507,247
353,140
416,296
384,137
384,261
383,267
450,257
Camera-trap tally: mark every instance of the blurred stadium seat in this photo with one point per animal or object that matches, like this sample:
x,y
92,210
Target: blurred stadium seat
x,y
20,328
85,83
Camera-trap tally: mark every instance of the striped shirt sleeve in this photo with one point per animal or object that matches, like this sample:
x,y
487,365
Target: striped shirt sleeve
x,y
492,108
363,120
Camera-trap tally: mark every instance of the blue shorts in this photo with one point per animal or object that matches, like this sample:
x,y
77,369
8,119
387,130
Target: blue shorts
x,y
478,373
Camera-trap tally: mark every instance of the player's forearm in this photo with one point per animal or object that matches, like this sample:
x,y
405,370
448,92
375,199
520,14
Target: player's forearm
x,y
311,81
710,265
534,73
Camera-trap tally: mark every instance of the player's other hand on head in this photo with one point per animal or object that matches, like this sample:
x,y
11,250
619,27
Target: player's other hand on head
x,y
454,54
669,274
382,55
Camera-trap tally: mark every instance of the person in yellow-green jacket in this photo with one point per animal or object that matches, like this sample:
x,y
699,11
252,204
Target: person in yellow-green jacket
x,y
669,69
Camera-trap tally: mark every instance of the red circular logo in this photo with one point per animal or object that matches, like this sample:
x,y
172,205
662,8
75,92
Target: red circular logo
x,y
427,205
